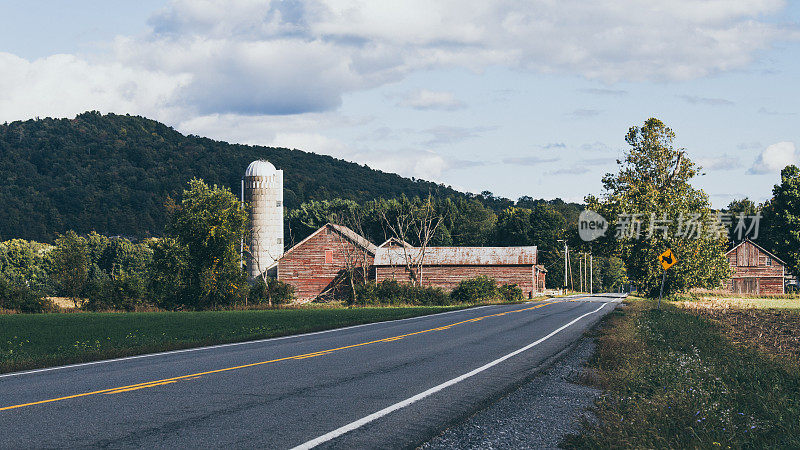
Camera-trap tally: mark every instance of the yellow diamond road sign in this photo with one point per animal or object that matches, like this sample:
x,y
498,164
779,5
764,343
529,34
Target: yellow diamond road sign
x,y
667,259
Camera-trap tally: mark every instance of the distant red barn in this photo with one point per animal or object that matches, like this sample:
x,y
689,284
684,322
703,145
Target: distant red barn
x,y
316,266
445,267
755,270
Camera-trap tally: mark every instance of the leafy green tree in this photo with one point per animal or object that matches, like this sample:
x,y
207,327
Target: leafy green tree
x,y
736,208
20,297
781,222
540,225
209,223
514,227
473,225
70,265
171,274
654,182
25,263
612,273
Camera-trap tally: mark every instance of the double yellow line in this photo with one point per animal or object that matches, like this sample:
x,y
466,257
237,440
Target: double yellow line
x,y
165,381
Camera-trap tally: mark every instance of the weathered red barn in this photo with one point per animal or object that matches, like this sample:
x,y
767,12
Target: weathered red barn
x,y
317,265
445,267
755,270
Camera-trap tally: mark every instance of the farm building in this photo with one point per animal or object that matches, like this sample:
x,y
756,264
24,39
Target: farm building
x,y
755,270
445,267
316,266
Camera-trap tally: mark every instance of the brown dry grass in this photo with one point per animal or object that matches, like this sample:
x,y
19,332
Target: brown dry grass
x,y
773,331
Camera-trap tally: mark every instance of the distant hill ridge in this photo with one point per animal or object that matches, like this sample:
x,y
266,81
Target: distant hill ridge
x,y
112,174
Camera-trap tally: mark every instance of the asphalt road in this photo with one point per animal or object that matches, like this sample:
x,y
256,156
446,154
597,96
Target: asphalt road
x,y
392,384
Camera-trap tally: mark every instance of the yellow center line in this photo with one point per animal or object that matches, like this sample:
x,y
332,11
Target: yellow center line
x,y
165,381
119,391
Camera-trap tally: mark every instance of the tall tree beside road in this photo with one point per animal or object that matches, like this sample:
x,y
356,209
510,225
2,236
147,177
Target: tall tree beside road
x,y
208,224
70,265
781,231
654,207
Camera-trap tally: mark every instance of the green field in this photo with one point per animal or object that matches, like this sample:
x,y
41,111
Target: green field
x,y
672,379
41,340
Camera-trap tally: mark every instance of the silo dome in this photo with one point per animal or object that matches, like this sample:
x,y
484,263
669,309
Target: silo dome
x,y
260,168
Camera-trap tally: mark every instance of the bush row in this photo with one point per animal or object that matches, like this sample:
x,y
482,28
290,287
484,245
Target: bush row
x,y
390,292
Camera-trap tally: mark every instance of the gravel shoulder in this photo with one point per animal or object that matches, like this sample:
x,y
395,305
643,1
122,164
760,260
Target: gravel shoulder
x,y
537,415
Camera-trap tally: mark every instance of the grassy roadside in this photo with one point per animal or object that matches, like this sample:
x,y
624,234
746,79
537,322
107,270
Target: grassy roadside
x,y
40,340
672,379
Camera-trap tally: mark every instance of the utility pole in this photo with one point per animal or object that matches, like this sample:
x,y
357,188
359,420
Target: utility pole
x,y
566,249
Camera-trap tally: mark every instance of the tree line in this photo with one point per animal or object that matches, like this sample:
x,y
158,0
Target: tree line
x,y
113,173
195,263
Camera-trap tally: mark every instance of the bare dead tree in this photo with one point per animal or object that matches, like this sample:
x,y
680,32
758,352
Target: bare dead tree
x,y
416,223
354,248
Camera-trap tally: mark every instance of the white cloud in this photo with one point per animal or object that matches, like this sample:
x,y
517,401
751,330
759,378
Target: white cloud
x,y
262,57
63,85
584,113
721,162
308,132
432,100
774,158
529,160
450,135
695,100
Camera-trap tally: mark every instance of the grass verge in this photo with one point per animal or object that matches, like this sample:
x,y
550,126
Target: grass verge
x,y
672,379
30,341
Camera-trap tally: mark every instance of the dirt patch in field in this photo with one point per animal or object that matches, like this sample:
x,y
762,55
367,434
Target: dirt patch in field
x,y
772,330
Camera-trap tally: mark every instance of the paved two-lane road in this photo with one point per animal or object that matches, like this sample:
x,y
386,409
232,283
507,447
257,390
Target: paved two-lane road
x,y
390,384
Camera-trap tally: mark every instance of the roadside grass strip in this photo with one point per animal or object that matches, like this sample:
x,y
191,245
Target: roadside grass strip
x,y
673,379
155,383
31,341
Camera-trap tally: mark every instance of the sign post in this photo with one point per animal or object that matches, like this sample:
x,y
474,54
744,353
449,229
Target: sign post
x,y
667,260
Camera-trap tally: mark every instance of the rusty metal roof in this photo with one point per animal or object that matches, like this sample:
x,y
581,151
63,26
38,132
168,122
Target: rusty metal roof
x,y
355,237
342,230
457,256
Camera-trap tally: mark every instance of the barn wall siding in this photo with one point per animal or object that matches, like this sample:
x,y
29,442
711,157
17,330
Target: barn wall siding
x,y
305,267
447,277
751,274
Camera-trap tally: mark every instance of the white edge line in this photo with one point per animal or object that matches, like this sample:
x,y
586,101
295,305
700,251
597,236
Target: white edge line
x,y
232,344
376,415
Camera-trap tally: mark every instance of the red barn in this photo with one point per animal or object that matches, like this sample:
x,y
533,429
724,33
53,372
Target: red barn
x,y
755,270
445,267
317,265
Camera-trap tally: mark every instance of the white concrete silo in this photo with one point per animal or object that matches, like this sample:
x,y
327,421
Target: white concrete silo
x,y
262,191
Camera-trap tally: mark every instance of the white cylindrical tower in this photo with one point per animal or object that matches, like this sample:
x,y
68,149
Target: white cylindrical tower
x,y
263,192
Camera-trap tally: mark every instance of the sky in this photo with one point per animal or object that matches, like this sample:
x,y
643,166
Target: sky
x,y
514,97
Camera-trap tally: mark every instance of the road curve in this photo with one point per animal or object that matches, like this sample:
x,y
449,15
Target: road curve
x,y
390,384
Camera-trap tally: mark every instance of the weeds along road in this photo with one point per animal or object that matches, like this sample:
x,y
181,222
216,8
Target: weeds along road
x,y
390,384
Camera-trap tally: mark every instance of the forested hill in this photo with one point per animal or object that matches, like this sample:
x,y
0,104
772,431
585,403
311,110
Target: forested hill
x,y
112,174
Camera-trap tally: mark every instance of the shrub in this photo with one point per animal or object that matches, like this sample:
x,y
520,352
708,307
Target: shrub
x,y
273,289
122,293
475,289
390,292
511,293
19,297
